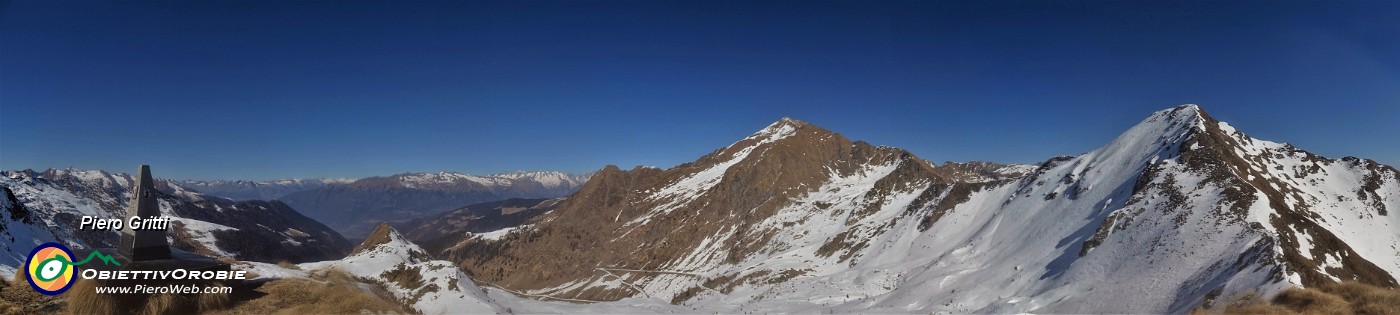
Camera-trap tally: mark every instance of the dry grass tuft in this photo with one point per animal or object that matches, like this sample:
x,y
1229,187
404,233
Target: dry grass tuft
x,y
84,299
1250,303
1367,299
404,276
17,298
1311,301
211,302
288,265
166,304
329,292
1340,298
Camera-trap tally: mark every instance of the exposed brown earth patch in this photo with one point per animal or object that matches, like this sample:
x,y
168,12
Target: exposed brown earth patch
x,y
1340,298
599,224
379,236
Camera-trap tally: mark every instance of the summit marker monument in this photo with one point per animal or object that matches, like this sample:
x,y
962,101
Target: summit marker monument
x,y
143,244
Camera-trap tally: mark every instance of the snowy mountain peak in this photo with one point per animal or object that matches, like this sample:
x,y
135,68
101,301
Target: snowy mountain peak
x,y
387,241
787,120
1158,137
783,128
1184,116
550,179
71,175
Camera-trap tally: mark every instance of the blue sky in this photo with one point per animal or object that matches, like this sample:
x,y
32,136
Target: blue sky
x,y
257,90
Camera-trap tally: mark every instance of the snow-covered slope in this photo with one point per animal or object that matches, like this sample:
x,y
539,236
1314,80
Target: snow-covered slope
x,y
406,271
1177,211
47,206
20,228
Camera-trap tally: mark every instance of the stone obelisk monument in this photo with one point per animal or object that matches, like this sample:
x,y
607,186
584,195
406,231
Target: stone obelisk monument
x,y
143,245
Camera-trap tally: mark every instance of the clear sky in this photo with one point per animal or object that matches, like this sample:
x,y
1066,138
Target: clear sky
x,y
258,90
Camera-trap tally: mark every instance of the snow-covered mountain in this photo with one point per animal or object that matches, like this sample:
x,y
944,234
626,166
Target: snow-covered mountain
x,y
46,206
1178,211
356,208
240,190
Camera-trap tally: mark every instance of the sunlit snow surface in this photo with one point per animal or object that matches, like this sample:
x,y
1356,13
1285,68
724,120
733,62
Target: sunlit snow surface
x,y
444,288
1011,248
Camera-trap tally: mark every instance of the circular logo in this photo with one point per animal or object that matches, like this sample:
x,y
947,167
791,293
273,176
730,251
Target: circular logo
x,y
50,269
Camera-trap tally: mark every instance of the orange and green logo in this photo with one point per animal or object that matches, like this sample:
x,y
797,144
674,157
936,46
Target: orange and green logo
x,y
51,269
48,269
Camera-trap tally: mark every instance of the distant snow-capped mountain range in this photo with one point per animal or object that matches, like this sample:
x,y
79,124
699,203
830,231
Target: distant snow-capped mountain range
x,y
240,190
355,208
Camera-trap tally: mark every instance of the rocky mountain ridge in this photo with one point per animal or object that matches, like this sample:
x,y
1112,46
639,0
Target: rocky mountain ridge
x,y
1178,211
